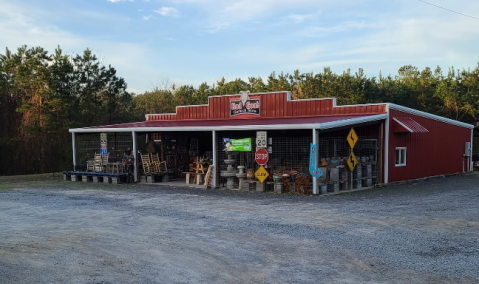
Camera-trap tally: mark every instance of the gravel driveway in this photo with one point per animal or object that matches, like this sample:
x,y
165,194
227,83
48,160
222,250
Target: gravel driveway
x,y
53,231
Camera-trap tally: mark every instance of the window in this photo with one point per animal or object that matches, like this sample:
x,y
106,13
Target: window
x,y
400,156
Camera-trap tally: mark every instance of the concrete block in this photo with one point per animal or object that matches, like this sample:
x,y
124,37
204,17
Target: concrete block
x,y
278,188
143,179
74,178
106,179
150,179
84,178
115,180
95,179
323,188
260,186
66,177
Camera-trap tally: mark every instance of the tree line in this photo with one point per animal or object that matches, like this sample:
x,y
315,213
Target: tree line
x,y
42,95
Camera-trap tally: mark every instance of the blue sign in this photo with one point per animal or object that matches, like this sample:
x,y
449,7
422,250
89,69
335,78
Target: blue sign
x,y
104,151
312,162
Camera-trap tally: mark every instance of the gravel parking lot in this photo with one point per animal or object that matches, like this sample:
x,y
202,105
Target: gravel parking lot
x,y
53,231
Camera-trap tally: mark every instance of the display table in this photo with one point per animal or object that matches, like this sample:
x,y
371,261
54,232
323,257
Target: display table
x,y
115,168
198,177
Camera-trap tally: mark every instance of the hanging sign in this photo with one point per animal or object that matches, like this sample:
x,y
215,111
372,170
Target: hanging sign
x,y
261,156
245,105
261,139
242,145
103,143
312,162
261,174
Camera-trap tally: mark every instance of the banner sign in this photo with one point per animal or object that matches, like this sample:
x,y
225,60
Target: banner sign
x,y
243,145
312,163
245,105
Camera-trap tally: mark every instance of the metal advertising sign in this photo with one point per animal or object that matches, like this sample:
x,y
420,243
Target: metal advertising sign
x,y
242,145
261,174
245,105
352,138
103,143
312,162
352,162
261,156
261,139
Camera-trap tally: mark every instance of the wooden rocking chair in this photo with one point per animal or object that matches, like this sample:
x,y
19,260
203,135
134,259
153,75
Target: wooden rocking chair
x,y
89,166
147,165
97,163
158,167
104,162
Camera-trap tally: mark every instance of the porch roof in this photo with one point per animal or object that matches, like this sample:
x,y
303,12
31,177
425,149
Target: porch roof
x,y
318,122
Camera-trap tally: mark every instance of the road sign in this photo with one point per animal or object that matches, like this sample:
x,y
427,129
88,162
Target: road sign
x,y
261,139
261,174
352,162
352,138
261,156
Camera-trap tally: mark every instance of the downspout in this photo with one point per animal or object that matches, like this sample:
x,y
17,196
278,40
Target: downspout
x,y
135,154
74,152
315,180
471,165
386,147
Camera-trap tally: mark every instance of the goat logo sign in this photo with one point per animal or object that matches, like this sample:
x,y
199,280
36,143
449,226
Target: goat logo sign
x,y
245,105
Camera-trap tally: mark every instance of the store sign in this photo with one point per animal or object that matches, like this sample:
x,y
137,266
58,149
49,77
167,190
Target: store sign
x,y
261,139
261,174
245,105
242,145
312,162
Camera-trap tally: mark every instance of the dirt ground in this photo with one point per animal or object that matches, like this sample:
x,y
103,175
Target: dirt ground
x,y
54,231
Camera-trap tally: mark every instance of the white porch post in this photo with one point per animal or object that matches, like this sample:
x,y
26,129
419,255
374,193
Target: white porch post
x,y
215,161
135,154
386,149
74,152
315,180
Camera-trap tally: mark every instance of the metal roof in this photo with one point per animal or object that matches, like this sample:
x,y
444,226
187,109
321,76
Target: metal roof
x,y
409,125
320,122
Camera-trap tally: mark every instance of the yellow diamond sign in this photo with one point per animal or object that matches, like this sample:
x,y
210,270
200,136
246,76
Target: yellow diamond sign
x,y
352,162
352,138
261,174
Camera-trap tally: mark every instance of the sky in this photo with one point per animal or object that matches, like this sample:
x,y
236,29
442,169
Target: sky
x,y
152,43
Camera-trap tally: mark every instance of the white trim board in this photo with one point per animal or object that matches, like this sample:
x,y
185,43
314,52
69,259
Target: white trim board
x,y
320,126
430,116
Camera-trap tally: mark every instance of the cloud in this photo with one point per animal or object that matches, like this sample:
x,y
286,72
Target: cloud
x,y
167,12
146,18
300,18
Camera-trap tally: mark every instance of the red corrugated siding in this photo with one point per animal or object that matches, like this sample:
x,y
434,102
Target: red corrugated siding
x,y
436,152
273,105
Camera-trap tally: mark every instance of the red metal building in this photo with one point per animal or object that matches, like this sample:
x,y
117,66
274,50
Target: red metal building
x,y
409,143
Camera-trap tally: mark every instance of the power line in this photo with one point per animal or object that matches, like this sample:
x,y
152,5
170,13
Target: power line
x,y
448,9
